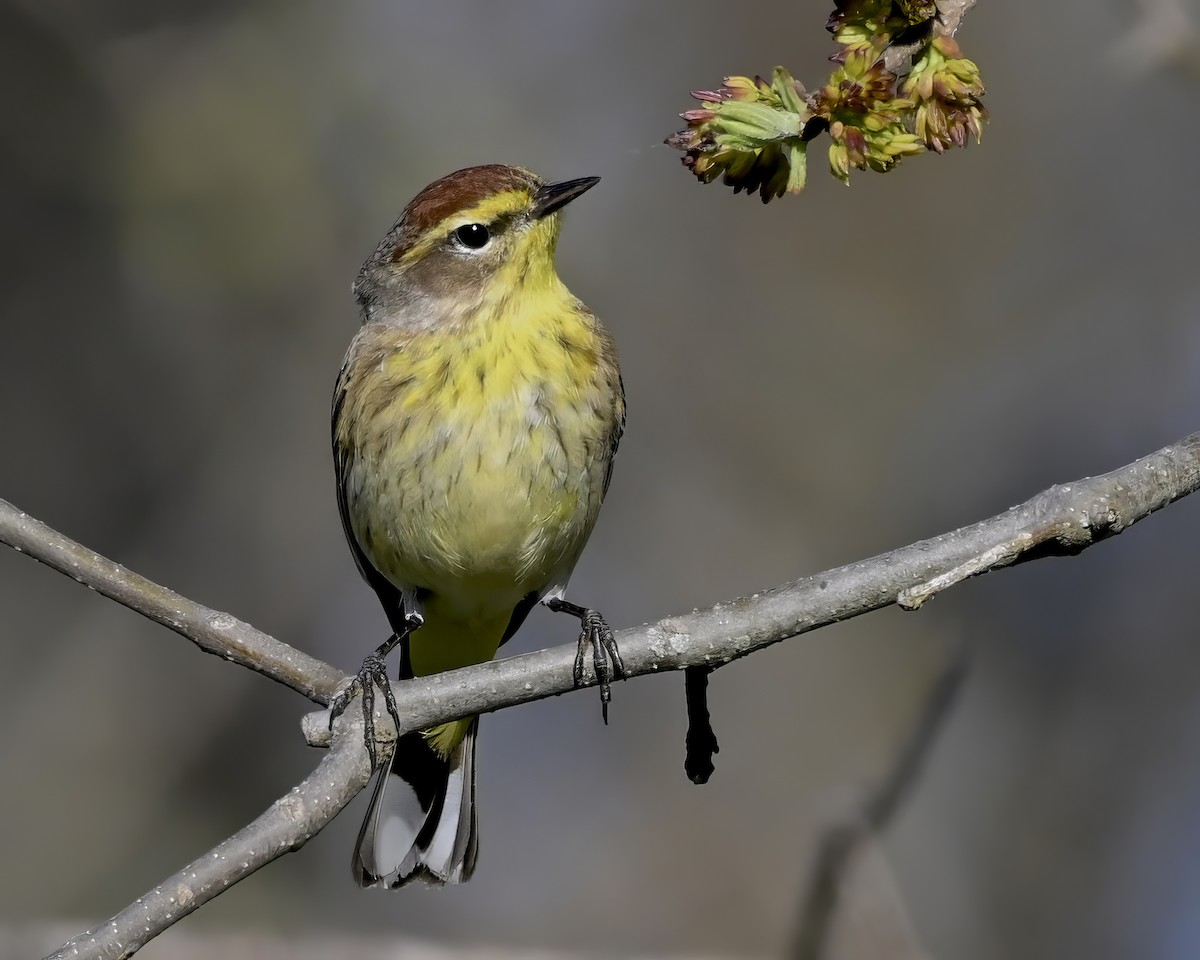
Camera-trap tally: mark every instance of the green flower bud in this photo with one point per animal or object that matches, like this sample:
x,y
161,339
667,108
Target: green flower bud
x,y
947,90
750,132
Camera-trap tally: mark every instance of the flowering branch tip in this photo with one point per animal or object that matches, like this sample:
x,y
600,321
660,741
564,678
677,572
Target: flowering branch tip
x,y
877,107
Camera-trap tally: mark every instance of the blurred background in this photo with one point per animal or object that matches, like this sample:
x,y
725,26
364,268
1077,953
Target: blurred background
x,y
186,191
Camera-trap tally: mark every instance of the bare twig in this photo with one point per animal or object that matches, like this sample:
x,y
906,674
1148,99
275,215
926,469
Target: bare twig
x,y
950,13
873,813
287,825
1060,521
1000,555
898,57
212,631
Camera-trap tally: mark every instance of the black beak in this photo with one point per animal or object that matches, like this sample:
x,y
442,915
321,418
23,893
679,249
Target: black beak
x,y
555,196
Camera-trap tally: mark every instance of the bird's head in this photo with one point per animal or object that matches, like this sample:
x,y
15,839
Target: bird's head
x,y
478,234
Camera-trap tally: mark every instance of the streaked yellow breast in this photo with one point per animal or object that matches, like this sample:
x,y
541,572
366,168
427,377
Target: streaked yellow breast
x,y
479,450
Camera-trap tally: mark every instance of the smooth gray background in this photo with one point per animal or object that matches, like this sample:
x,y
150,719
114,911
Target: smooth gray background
x,y
186,191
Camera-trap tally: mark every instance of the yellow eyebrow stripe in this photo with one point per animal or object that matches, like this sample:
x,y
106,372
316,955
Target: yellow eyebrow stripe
x,y
505,203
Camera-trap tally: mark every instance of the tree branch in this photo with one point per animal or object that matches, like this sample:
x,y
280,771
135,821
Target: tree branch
x,y
212,631
898,57
950,13
1062,520
286,825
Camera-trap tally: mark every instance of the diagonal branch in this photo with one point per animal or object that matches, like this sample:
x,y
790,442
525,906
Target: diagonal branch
x,y
285,826
1062,520
212,631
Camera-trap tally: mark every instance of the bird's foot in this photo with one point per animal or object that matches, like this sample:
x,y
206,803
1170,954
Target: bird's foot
x,y
595,635
372,674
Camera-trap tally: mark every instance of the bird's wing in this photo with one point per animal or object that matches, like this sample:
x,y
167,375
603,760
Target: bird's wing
x,y
617,433
388,593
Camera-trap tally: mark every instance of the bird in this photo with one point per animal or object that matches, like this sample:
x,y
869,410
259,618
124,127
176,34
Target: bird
x,y
475,421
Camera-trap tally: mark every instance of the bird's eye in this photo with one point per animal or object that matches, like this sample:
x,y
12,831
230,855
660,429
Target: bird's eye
x,y
473,236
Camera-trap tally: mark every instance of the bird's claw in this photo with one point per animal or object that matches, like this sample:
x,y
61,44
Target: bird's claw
x,y
372,674
606,658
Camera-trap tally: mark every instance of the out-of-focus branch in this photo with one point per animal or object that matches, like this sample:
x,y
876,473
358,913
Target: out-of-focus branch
x,y
1062,520
872,813
212,631
287,825
1167,34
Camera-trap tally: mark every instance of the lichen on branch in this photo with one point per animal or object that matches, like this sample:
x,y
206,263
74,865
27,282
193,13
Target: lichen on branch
x,y
900,87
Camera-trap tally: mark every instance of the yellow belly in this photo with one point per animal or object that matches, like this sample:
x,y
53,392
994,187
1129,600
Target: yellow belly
x,y
480,459
488,504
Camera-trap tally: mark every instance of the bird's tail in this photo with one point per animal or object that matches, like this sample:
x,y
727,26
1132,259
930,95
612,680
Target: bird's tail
x,y
421,824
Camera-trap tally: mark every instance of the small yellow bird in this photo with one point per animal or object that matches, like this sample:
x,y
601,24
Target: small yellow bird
x,y
475,421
